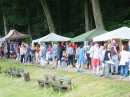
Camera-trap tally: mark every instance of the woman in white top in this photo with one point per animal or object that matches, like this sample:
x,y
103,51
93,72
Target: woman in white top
x,y
95,58
102,58
22,53
124,61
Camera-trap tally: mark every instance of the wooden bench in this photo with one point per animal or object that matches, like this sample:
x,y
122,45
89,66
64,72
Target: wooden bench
x,y
60,85
9,71
47,81
26,76
18,72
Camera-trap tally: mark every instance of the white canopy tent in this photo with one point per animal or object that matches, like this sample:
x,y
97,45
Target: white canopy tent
x,y
122,33
51,37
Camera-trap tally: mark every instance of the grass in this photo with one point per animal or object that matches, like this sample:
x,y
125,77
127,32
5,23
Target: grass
x,y
84,85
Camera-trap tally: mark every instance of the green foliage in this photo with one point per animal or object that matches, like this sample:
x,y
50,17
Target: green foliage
x,y
68,16
70,34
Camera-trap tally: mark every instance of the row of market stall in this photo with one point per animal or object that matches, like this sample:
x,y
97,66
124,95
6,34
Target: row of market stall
x,y
96,34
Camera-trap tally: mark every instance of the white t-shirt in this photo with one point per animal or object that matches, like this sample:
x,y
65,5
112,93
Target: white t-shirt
x,y
96,53
124,57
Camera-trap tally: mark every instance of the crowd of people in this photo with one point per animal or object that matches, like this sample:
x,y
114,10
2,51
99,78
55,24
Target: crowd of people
x,y
110,58
101,59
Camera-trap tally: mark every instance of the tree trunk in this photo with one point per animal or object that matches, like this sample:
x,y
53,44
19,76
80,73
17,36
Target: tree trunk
x,y
48,16
5,24
4,18
28,22
97,14
29,29
59,14
87,26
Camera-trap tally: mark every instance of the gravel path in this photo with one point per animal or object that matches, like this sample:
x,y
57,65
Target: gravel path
x,y
75,70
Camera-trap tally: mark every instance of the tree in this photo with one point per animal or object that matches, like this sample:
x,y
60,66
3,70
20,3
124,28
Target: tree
x,y
48,16
4,17
86,11
97,14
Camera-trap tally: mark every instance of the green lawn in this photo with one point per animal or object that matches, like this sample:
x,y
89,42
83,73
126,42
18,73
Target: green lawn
x,y
84,85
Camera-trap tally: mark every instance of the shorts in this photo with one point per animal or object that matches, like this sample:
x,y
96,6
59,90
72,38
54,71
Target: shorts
x,y
88,62
55,57
95,62
80,62
18,55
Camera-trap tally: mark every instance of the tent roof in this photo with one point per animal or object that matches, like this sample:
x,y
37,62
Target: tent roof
x,y
14,34
123,33
52,37
88,35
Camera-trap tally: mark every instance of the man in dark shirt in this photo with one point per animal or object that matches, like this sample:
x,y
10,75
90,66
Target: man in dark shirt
x,y
8,49
27,55
61,49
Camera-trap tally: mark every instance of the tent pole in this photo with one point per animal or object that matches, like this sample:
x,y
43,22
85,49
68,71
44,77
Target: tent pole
x,y
120,44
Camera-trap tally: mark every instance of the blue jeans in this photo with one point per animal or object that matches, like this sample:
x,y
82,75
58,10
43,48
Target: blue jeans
x,y
116,62
100,65
124,67
106,71
27,58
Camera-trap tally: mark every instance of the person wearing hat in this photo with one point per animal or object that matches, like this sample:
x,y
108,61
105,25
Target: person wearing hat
x,y
114,55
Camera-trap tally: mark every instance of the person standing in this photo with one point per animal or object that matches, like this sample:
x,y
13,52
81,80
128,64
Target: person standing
x,y
5,50
87,59
74,52
27,54
33,58
114,55
0,49
43,56
70,56
124,61
37,53
95,58
61,49
22,53
105,47
100,53
55,51
81,58
107,57
17,52
8,49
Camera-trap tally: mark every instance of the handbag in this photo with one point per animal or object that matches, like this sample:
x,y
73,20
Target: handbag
x,y
110,62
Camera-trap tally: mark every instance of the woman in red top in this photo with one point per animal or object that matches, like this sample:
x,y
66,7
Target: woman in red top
x,y
37,53
74,52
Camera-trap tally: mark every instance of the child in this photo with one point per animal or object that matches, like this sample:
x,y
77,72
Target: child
x,y
64,59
